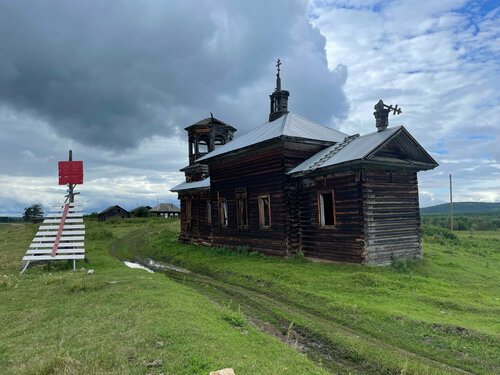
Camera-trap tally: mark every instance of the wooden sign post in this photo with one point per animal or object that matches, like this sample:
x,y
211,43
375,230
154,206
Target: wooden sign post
x,y
62,235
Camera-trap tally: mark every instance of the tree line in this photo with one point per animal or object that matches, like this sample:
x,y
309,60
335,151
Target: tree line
x,y
484,221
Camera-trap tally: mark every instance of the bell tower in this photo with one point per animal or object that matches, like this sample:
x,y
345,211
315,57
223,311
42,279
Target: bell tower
x,y
203,137
279,98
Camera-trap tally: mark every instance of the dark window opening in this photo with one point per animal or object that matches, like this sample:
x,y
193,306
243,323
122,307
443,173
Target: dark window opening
x,y
209,212
264,211
219,141
326,209
203,145
223,213
242,213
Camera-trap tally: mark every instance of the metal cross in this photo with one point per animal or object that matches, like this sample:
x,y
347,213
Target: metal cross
x,y
278,65
395,109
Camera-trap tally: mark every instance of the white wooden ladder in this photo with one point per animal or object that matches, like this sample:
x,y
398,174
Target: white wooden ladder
x,y
60,237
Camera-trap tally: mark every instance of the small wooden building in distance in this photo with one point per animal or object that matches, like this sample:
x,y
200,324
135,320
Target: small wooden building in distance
x,y
291,185
113,212
165,210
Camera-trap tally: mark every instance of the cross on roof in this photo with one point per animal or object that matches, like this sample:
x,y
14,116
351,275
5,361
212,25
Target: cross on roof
x,y
278,66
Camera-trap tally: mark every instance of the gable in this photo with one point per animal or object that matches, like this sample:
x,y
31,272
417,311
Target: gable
x,y
401,147
393,147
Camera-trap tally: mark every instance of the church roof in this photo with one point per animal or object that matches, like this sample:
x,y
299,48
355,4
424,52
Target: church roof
x,y
197,185
289,125
359,148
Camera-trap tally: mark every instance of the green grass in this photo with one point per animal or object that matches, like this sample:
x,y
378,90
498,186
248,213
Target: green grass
x,y
440,315
119,320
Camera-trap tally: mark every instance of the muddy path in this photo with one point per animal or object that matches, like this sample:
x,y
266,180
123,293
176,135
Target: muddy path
x,y
279,319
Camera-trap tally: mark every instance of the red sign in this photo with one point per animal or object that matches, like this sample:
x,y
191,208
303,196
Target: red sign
x,y
70,172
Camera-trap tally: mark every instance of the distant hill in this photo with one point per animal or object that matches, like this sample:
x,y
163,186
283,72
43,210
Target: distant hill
x,y
462,208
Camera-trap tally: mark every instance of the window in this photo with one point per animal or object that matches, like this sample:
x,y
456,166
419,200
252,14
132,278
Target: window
x,y
264,211
242,208
188,214
219,141
223,212
209,212
203,145
326,205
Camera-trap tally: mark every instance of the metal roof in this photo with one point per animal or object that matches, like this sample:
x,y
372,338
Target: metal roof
x,y
290,125
165,207
359,148
197,185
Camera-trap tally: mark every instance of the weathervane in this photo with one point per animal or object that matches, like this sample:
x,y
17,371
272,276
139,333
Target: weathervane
x,y
382,114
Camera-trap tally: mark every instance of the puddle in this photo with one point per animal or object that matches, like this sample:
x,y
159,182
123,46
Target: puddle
x,y
160,266
135,265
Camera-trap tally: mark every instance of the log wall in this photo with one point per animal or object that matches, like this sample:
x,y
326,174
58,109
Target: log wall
x,y
194,228
344,242
392,216
261,172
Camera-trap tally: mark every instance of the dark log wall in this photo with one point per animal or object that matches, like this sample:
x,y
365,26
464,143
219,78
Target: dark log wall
x,y
294,154
344,241
392,216
260,173
195,228
115,212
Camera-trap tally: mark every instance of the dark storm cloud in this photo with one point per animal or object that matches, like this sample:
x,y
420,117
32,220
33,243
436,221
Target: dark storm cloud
x,y
112,73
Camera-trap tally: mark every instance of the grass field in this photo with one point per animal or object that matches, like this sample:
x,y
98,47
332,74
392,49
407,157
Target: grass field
x,y
257,314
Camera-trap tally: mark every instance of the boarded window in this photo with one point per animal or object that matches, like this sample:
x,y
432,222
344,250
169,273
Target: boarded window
x,y
209,212
223,212
264,211
326,209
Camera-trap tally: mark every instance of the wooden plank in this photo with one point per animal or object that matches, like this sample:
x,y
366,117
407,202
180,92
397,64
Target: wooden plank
x,y
64,233
57,257
72,214
61,244
66,226
52,238
59,251
57,221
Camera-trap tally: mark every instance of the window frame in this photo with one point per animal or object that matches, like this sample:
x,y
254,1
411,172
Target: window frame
x,y
209,212
241,195
261,211
223,223
321,208
188,213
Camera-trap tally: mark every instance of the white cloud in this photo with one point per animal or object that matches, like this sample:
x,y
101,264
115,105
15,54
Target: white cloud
x,y
439,62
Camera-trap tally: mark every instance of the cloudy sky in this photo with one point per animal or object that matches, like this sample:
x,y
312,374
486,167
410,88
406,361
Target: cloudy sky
x,y
117,82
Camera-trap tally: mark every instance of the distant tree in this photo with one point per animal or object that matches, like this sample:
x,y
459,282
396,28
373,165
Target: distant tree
x,y
142,212
92,215
35,211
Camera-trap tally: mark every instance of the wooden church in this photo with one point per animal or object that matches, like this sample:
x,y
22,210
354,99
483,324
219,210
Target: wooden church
x,y
291,185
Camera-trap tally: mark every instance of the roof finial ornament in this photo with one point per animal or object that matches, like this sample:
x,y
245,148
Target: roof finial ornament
x,y
279,98
278,78
212,116
382,114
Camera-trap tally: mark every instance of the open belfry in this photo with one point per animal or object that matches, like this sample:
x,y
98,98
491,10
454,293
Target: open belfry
x,y
291,185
